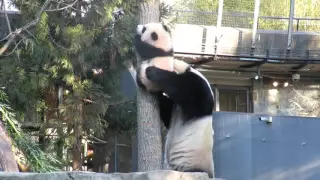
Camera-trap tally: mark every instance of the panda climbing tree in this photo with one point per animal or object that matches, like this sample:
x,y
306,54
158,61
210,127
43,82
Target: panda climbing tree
x,y
185,100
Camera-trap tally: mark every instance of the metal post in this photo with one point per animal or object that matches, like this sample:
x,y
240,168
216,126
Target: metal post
x,y
217,104
219,22
255,22
220,11
291,15
115,153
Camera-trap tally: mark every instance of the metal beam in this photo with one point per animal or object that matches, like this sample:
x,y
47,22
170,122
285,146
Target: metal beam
x,y
281,60
255,64
271,74
298,68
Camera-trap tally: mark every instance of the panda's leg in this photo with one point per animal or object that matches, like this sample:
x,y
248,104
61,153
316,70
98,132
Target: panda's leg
x,y
166,107
188,89
138,80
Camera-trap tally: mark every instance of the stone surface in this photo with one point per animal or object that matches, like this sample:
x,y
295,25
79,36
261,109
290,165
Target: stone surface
x,y
299,99
151,175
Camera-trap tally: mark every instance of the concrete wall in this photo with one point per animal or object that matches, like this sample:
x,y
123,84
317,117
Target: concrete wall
x,y
237,41
151,175
301,99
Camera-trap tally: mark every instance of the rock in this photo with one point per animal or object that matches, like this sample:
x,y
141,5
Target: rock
x,y
151,175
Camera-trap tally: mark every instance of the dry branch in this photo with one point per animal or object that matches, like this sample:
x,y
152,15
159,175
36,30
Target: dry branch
x,y
65,7
13,35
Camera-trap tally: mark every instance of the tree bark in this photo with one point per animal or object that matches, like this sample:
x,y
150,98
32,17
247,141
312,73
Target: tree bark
x,y
148,130
76,147
7,159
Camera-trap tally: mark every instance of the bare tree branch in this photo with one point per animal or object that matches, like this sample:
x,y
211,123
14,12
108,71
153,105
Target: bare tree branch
x,y
5,37
65,7
14,34
14,48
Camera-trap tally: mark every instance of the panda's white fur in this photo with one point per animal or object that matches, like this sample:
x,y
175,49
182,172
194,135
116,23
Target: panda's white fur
x,y
187,113
189,144
151,87
163,42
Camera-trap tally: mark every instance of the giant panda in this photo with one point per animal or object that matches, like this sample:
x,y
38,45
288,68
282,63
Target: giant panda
x,y
185,101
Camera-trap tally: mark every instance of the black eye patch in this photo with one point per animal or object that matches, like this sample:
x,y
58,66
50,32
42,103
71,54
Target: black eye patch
x,y
144,29
154,36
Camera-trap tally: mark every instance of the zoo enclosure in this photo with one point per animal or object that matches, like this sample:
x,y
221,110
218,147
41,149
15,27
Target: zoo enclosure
x,y
294,22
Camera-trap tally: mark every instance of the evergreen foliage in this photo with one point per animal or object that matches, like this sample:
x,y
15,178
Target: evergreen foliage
x,y
66,48
39,161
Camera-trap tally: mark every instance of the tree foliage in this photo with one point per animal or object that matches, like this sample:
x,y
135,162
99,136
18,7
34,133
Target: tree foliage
x,y
36,158
80,46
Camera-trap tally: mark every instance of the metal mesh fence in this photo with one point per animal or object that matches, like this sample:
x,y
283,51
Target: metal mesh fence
x,y
269,36
196,17
238,13
273,14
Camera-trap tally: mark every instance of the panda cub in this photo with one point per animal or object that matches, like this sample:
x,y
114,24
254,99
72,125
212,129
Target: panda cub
x,y
186,110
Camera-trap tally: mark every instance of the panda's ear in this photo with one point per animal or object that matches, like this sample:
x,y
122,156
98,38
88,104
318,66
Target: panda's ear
x,y
166,28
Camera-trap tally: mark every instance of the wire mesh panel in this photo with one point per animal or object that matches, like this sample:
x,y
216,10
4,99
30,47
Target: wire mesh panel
x,y
238,13
274,15
196,17
199,12
307,15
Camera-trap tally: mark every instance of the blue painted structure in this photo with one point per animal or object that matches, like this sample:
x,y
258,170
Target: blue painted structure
x,y
249,149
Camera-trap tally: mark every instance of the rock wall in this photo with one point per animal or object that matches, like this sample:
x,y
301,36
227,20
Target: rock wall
x,y
300,99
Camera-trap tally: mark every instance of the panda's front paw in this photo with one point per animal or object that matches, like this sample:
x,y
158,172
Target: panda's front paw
x,y
156,75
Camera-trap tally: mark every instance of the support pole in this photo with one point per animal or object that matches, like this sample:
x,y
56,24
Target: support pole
x,y
219,22
220,11
290,27
255,22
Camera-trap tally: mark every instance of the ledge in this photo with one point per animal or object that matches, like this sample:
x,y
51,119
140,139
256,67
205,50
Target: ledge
x,y
151,175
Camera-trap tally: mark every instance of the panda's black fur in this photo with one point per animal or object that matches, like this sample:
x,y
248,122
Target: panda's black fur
x,y
186,112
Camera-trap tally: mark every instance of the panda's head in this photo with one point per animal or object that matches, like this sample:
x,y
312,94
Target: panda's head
x,y
153,40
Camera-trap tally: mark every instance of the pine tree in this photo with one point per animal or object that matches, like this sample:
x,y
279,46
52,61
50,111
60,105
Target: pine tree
x,y
76,46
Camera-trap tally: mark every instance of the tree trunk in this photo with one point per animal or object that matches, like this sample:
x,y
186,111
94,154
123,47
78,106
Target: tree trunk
x,y
76,149
77,144
148,130
7,160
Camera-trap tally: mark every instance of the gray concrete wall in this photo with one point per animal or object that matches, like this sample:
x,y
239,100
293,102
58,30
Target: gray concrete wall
x,y
237,41
301,99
